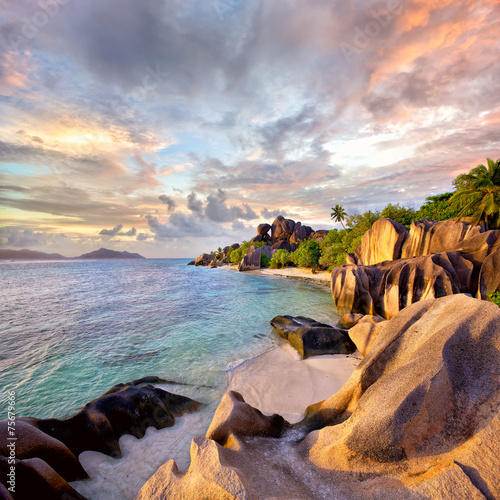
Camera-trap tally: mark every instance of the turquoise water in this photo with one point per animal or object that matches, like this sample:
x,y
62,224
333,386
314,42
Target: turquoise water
x,y
70,330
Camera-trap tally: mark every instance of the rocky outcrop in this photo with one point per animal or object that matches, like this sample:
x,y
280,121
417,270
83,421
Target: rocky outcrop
x,y
349,320
205,259
311,338
425,399
300,233
251,260
383,241
418,418
429,236
388,287
46,449
364,334
489,277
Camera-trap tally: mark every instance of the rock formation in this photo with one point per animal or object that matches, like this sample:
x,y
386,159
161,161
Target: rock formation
x,y
382,242
311,338
205,259
251,260
388,287
428,236
46,449
418,418
425,400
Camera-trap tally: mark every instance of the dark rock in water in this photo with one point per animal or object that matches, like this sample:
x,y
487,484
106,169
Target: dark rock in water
x,y
192,263
46,449
311,338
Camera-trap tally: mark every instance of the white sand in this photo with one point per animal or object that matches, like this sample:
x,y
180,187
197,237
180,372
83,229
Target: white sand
x,y
279,381
287,272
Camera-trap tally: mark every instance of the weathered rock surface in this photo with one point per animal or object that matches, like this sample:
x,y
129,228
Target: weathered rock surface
x,y
311,338
300,233
205,259
350,319
234,417
419,418
383,241
428,236
388,287
425,399
489,277
263,229
364,334
251,260
283,245
46,449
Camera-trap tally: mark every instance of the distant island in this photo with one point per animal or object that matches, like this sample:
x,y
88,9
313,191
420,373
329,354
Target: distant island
x,y
102,253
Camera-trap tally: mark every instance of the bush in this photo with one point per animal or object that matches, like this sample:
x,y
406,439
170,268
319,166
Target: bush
x,y
265,261
494,297
437,208
280,259
307,255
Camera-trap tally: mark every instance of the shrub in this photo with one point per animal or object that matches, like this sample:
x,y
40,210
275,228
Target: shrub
x,y
264,260
307,255
494,297
280,259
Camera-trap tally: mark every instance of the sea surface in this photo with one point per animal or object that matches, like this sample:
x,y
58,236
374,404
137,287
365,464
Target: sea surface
x,y
70,330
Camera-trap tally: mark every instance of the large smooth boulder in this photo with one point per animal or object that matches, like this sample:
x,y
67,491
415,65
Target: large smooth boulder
x,y
364,334
283,245
46,449
425,399
382,242
205,259
312,338
429,236
263,229
282,229
300,233
251,260
489,278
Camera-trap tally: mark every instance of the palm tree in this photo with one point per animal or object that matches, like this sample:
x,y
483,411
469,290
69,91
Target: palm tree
x,y
480,194
339,214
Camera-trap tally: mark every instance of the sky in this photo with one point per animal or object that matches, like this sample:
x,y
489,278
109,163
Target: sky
x,y
173,127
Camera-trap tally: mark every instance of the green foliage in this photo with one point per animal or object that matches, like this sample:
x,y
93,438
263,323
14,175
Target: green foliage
x,y
494,297
265,261
463,181
307,255
398,213
280,259
480,194
237,254
437,207
339,214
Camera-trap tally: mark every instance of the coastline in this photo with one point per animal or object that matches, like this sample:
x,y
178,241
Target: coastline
x,y
321,278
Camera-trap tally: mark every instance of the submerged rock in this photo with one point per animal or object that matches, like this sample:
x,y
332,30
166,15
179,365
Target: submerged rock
x,y
311,338
46,449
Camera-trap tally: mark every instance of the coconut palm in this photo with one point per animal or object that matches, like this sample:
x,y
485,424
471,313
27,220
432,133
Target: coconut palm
x,y
339,214
480,196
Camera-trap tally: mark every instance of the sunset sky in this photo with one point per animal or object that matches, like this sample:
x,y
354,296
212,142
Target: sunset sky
x,y
172,127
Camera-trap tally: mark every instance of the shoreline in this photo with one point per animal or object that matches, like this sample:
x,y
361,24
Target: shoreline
x,y
321,278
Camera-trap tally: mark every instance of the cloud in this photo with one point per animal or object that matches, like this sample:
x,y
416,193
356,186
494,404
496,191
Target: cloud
x,y
111,232
117,231
167,200
272,214
217,210
19,237
194,204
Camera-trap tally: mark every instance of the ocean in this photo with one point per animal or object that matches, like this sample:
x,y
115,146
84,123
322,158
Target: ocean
x,y
70,330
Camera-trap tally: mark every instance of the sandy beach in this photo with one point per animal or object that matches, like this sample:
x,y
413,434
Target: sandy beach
x,y
298,273
279,381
